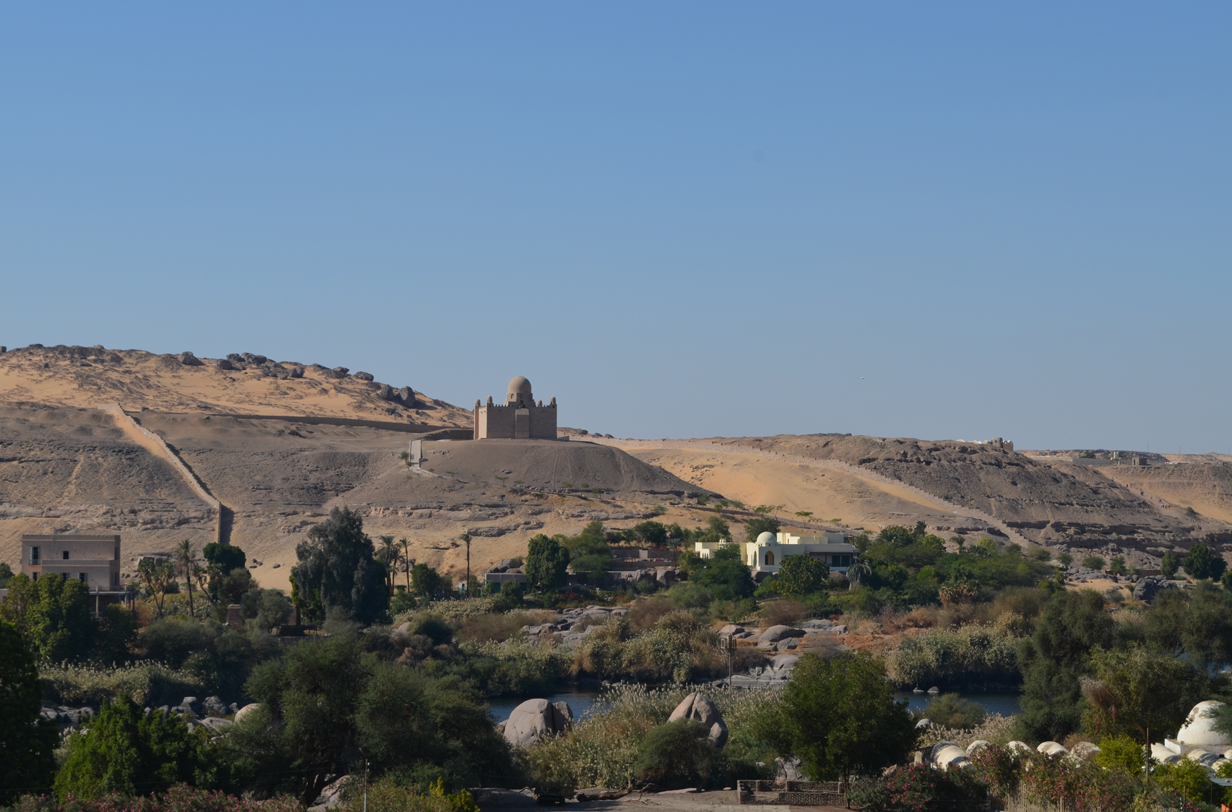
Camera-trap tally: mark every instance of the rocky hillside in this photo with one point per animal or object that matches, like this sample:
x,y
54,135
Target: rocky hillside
x,y
279,444
1075,506
241,383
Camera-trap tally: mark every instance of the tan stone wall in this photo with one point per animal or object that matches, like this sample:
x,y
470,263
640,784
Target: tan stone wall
x,y
503,423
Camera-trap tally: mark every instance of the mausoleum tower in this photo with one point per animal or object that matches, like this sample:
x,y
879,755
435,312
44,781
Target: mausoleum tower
x,y
520,418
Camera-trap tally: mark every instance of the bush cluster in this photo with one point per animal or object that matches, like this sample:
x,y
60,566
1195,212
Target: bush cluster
x,y
955,657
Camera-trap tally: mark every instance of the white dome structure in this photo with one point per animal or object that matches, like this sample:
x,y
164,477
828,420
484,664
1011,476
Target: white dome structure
x,y
766,538
1199,729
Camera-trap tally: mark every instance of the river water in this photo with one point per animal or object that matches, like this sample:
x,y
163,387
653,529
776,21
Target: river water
x,y
581,700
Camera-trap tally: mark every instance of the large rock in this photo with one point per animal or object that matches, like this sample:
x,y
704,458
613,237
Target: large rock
x,y
777,633
1147,588
699,707
213,706
536,718
244,711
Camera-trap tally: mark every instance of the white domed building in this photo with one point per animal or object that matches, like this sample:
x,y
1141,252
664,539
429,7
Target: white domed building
x,y
518,418
765,555
1198,732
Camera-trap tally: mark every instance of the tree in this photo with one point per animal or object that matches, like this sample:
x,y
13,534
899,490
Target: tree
x,y
723,575
1194,626
337,569
1203,562
546,563
804,514
389,555
220,561
427,581
6,573
1168,565
27,740
801,576
124,751
589,555
304,734
676,755
52,615
407,561
1055,658
762,524
717,528
1117,567
188,565
158,577
1135,690
327,709
411,725
841,719
651,533
1093,562
1064,559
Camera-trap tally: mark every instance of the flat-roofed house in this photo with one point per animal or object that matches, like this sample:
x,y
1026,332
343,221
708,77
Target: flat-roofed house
x,y
93,560
765,555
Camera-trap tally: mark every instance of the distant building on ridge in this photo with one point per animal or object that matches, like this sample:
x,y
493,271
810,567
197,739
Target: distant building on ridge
x,y
520,418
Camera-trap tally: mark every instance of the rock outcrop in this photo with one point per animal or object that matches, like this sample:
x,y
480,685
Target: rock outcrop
x,y
700,707
534,719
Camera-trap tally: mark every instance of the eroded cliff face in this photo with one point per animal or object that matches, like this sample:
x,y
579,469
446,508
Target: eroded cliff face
x,y
1054,504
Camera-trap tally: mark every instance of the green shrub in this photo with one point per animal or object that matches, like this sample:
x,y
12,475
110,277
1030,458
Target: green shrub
x,y
603,746
970,653
489,628
919,788
952,711
676,755
179,797
1188,779
146,683
785,612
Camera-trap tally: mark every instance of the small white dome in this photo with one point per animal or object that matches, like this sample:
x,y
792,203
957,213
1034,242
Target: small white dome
x,y
1199,730
766,538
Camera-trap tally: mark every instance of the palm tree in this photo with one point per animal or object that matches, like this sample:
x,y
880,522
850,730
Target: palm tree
x,y
407,561
389,555
188,565
466,537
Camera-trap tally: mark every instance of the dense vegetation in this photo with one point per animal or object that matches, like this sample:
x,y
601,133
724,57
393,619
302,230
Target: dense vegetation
x,y
393,678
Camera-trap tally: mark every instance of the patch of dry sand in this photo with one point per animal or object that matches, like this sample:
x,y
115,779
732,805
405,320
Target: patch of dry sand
x,y
758,480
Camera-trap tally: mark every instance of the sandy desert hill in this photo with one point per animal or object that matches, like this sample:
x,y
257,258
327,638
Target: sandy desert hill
x,y
966,487
259,451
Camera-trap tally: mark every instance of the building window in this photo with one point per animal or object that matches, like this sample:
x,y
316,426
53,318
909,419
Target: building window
x,y
769,559
117,557
34,556
81,576
35,578
115,579
66,555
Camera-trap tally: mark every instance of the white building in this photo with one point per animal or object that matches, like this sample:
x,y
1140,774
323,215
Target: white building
x,y
767,553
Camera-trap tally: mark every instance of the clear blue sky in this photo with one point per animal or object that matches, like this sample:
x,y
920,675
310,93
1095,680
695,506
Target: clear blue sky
x,y
681,219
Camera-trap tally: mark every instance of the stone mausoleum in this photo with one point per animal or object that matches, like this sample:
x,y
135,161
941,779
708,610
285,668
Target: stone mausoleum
x,y
519,418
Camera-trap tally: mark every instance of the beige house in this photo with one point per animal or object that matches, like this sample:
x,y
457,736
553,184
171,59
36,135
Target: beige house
x,y
765,556
93,560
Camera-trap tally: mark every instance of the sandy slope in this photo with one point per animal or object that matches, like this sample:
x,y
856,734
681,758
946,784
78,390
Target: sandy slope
x,y
826,494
